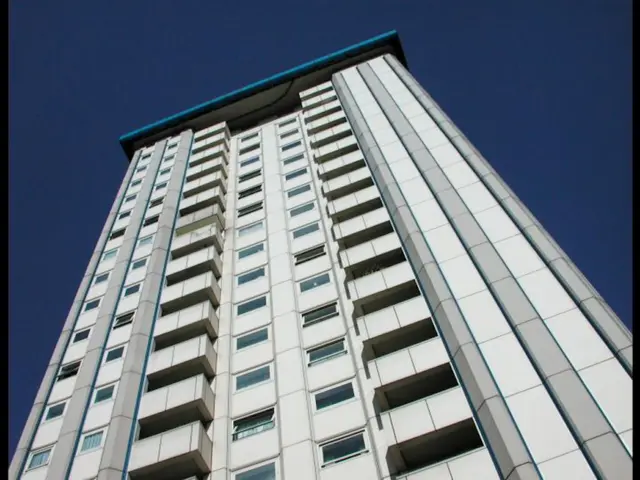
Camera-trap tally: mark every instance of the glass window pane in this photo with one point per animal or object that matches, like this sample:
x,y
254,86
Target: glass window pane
x,y
264,472
251,378
343,448
91,305
252,339
299,190
55,411
320,313
314,282
251,250
250,229
302,209
295,174
114,354
249,161
301,232
82,335
105,393
40,458
91,441
251,305
326,351
253,425
295,158
252,275
335,395
289,146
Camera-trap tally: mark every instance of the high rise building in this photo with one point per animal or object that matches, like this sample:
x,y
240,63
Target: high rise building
x,y
319,277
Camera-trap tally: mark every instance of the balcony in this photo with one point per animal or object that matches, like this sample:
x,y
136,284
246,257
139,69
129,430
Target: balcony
x,y
363,228
195,240
330,135
334,172
318,111
358,203
335,149
179,362
175,405
180,453
202,200
202,261
202,169
382,281
477,461
202,184
206,216
219,152
212,130
200,288
362,256
326,122
183,325
203,143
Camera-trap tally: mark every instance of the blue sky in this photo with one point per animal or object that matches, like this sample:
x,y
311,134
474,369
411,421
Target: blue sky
x,y
543,89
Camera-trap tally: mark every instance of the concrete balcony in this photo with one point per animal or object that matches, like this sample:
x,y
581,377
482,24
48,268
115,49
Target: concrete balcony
x,y
331,172
219,152
200,288
204,168
330,135
189,266
429,431
320,100
477,461
203,143
195,240
326,122
354,204
202,200
202,184
365,253
316,111
335,149
212,130
173,406
183,325
206,216
180,453
179,362
375,283
362,228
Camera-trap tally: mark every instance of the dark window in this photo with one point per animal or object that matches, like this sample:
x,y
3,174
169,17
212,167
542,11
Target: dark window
x,y
343,449
117,234
289,133
249,191
310,254
135,183
299,190
138,264
105,393
130,198
314,282
101,278
307,207
297,173
301,232
248,149
248,379
122,320
295,158
114,354
251,275
263,472
132,289
287,122
318,314
326,351
55,411
334,395
291,145
156,202
151,221
251,305
81,335
160,186
91,305
254,424
252,338
69,370
249,176
124,215
249,209
251,250
249,161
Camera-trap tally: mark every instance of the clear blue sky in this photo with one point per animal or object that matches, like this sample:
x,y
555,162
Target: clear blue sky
x,y
542,88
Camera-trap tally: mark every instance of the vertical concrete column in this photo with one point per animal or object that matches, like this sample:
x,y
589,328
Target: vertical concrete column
x,y
35,416
120,434
592,305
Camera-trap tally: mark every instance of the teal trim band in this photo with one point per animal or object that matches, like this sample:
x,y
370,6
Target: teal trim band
x,y
390,37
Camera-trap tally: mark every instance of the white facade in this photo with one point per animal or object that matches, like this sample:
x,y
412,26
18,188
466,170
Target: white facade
x,y
347,291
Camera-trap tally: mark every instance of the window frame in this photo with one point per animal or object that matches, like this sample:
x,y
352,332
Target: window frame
x,y
251,246
117,233
114,391
331,356
298,207
289,133
124,215
293,159
327,316
249,175
290,145
151,220
335,386
106,359
156,202
143,259
247,192
249,371
270,424
88,302
145,238
249,161
250,136
106,276
249,209
246,227
247,334
288,122
305,187
125,289
239,275
299,261
130,319
102,431
365,448
316,223
135,183
313,277
33,453
296,173
73,338
45,417
160,186
237,475
164,171
104,257
238,305
62,367
130,198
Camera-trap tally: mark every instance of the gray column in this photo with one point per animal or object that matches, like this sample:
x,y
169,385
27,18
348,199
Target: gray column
x,y
120,435
35,416
497,428
581,413
604,320
72,423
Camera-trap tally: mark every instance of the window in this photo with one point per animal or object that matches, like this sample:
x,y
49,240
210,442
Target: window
x,y
117,234
122,320
141,169
289,133
91,305
69,370
249,161
318,92
145,241
287,122
169,158
334,395
301,232
81,335
91,441
295,174
253,424
327,351
135,183
104,393
307,207
151,221
139,264
156,202
253,377
319,314
124,215
250,137
160,186
55,411
254,227
252,275
310,254
252,338
146,156
340,450
251,305
114,354
246,252
298,190
255,207
264,472
41,458
103,277
314,282
172,146
109,255
132,289
295,158
291,145
164,172
249,191
130,198
250,175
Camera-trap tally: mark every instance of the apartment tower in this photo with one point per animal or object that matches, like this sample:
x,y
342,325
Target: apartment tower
x,y
319,277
